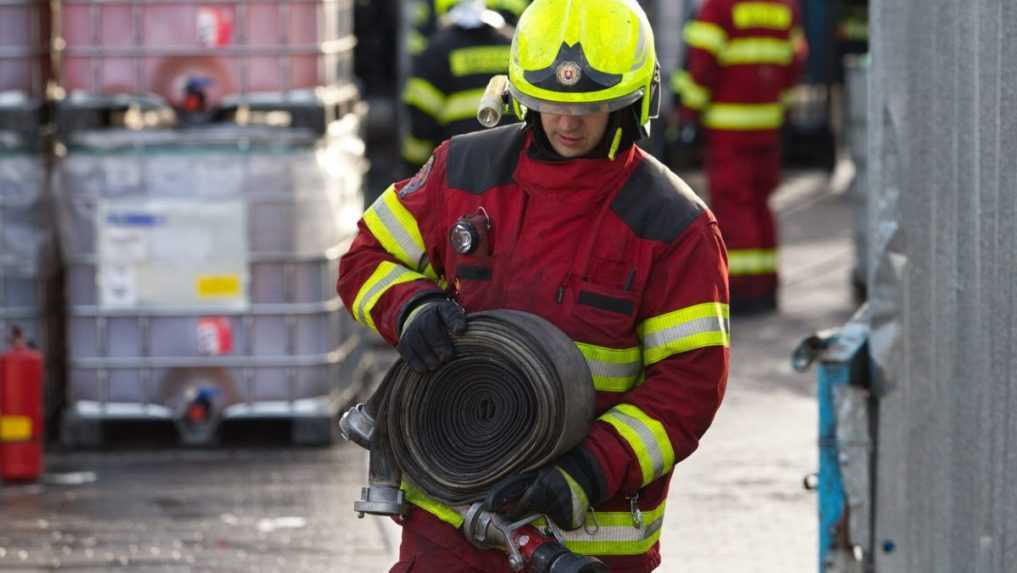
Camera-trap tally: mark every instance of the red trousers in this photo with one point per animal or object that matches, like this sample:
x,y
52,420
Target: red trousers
x,y
741,178
430,545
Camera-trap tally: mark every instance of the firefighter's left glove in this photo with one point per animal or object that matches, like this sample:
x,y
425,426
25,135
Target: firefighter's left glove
x,y
563,491
425,342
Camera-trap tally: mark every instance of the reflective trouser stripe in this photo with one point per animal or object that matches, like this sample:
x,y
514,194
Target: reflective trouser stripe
x,y
615,533
694,96
705,36
742,51
423,95
744,117
690,328
647,438
752,261
397,231
416,150
384,277
613,369
461,105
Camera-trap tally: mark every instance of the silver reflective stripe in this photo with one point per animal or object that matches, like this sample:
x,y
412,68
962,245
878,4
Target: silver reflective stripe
x,y
652,448
685,329
609,533
379,287
402,238
613,369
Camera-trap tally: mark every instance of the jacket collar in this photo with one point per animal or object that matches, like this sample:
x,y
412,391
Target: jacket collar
x,y
588,176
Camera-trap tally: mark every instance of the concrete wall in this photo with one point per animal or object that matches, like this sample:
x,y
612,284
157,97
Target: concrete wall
x,y
943,282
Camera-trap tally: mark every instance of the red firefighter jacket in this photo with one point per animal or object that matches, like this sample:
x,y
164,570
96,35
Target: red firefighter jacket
x,y
743,58
619,254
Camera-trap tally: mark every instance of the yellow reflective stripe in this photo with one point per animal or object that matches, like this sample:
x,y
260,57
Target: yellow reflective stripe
x,y
397,231
15,428
761,15
417,497
616,534
462,105
415,42
752,261
693,95
685,329
613,369
706,36
647,438
757,51
744,117
386,276
421,94
479,60
416,150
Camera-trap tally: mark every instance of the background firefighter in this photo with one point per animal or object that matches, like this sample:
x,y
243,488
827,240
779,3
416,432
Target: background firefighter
x,y
448,78
587,231
743,58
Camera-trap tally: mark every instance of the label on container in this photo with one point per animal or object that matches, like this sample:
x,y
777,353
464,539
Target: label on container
x,y
156,253
215,26
215,337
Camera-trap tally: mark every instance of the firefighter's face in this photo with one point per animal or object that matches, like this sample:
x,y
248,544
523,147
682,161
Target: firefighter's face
x,y
574,135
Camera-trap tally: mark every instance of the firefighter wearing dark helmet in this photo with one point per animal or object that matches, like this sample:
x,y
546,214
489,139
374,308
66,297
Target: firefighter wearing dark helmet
x,y
448,78
586,230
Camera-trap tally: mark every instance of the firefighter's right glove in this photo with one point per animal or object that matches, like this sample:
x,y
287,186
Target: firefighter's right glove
x,y
563,491
426,339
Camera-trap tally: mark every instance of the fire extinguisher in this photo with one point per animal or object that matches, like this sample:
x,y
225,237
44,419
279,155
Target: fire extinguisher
x,y
21,432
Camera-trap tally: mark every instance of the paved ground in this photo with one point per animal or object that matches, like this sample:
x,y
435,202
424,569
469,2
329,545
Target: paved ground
x,y
256,505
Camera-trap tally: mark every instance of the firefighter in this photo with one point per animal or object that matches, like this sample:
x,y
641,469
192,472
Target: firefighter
x,y
743,58
427,15
448,78
586,230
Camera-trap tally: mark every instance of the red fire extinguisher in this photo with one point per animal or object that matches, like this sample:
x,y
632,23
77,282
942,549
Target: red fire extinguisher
x,y
21,373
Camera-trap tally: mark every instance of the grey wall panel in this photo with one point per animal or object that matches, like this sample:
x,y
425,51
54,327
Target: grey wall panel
x,y
943,173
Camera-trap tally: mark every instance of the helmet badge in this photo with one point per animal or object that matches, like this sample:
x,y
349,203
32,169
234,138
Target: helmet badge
x,y
568,73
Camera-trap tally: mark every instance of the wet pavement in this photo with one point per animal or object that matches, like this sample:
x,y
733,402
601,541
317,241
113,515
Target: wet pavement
x,y
256,504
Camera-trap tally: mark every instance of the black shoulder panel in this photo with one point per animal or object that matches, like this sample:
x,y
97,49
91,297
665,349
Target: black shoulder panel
x,y
481,160
655,203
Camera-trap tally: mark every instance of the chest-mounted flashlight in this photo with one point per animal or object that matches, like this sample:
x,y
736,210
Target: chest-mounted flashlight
x,y
469,234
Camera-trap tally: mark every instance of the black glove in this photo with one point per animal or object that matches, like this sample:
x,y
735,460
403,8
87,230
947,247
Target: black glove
x,y
426,339
563,491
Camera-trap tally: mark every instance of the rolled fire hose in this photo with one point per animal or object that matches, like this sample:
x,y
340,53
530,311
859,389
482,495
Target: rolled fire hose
x,y
517,395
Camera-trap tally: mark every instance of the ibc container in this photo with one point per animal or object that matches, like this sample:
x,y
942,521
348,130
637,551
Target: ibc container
x,y
24,52
246,47
202,263
27,260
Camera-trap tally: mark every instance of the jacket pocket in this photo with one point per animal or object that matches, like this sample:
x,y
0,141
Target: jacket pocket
x,y
474,282
607,312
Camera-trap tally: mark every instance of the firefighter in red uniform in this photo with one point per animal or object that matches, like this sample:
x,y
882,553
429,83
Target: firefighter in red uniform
x,y
589,232
743,58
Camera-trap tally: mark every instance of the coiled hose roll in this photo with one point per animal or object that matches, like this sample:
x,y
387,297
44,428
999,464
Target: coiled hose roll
x,y
517,394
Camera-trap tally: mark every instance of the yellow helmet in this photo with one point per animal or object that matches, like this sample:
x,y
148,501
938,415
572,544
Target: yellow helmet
x,y
584,56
